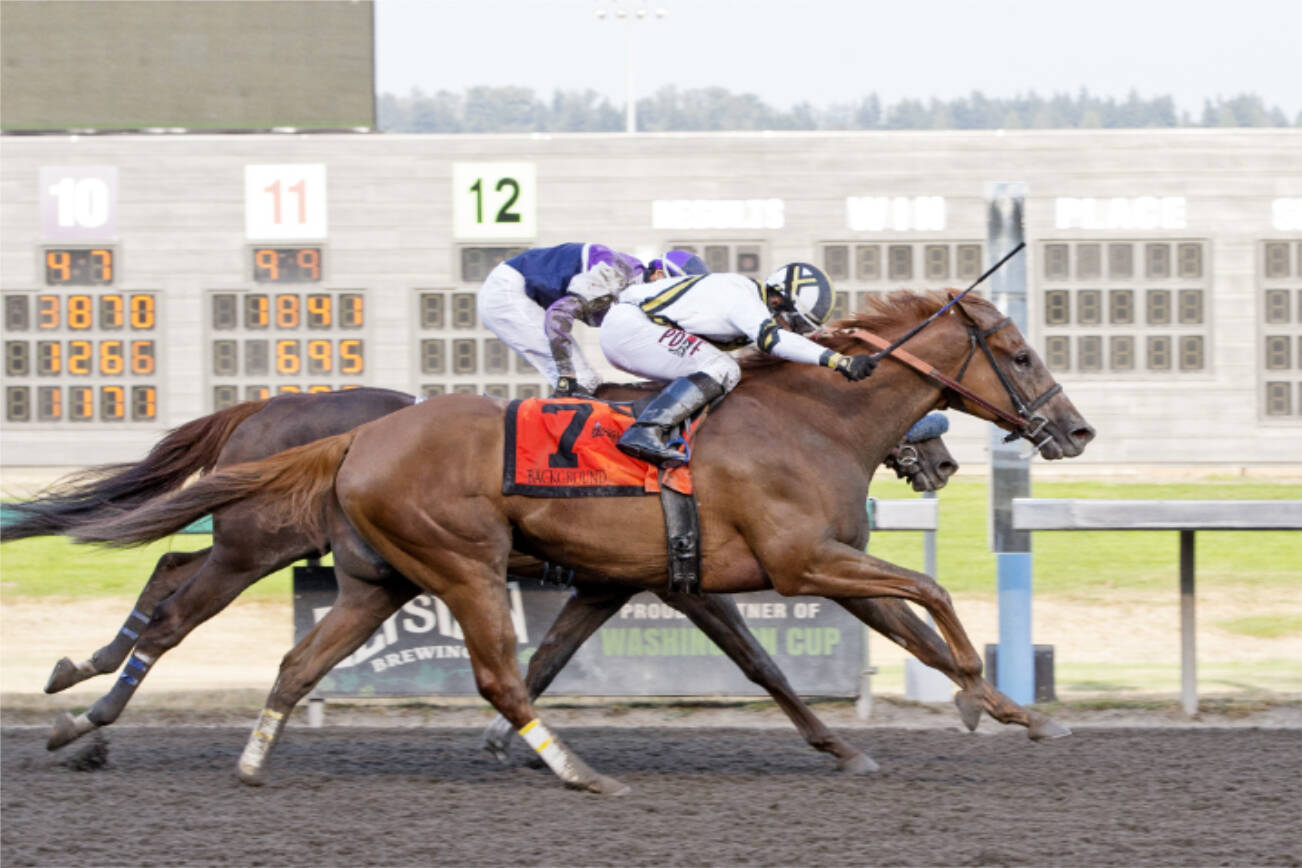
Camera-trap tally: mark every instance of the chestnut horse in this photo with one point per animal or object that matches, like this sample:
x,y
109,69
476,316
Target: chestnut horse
x,y
254,430
781,467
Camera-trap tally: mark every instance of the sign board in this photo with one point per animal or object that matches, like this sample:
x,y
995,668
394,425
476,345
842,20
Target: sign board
x,y
494,200
285,202
79,203
646,649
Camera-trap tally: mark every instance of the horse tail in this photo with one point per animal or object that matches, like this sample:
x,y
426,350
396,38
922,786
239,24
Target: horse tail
x,y
291,488
83,497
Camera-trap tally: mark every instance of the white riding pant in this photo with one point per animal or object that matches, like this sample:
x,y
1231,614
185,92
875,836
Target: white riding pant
x,y
518,321
635,344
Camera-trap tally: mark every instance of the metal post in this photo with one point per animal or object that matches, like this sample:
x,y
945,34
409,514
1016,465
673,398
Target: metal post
x,y
630,100
1188,657
316,712
1010,474
619,13
929,545
922,683
863,705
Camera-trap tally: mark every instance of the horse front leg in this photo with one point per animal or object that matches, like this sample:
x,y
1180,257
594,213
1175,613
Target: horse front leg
x,y
358,611
588,608
172,570
720,619
897,622
838,571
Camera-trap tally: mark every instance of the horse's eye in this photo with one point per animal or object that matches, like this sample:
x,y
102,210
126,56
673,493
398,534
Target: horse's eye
x,y
1022,359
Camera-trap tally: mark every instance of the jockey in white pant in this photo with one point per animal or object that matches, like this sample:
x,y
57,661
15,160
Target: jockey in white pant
x,y
574,280
679,329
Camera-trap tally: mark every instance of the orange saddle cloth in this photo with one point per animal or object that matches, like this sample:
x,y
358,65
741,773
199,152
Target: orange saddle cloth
x,y
565,447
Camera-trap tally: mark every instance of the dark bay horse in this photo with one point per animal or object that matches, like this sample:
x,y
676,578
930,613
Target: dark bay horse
x,y
782,470
256,429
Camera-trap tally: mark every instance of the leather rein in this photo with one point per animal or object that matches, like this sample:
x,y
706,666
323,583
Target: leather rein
x,y
1025,422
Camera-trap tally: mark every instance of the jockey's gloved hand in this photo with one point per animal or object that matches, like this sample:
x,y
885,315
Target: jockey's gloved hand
x,y
853,368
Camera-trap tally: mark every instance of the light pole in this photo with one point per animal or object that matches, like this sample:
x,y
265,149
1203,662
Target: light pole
x,y
628,16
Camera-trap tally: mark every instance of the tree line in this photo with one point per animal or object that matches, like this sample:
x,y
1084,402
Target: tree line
x,y
520,109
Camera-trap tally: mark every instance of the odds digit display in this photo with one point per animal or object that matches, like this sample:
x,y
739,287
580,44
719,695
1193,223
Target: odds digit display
x,y
78,266
77,357
287,264
265,343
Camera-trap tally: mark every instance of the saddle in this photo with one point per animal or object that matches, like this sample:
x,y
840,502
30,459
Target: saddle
x,y
566,447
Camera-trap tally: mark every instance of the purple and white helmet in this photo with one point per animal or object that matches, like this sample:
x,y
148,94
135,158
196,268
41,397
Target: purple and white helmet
x,y
678,263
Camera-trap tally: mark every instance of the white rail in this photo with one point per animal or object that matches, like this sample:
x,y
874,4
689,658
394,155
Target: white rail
x,y
1185,516
918,514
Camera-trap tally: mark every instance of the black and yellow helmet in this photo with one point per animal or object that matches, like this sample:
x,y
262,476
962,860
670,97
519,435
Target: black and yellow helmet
x,y
803,293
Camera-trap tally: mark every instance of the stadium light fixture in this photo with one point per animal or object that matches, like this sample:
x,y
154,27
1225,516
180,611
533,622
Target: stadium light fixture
x,y
628,14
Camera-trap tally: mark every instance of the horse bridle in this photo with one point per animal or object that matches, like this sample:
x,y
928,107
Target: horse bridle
x,y
1026,423
1033,424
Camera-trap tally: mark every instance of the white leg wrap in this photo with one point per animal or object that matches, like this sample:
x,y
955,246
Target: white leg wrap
x,y
547,746
260,742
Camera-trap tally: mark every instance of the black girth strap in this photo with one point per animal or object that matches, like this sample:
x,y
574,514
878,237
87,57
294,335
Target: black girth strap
x,y
683,537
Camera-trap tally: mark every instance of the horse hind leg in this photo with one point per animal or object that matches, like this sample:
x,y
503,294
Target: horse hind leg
x,y
223,576
586,610
358,611
172,571
480,607
467,571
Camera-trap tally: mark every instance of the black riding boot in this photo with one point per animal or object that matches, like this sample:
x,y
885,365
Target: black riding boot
x,y
645,439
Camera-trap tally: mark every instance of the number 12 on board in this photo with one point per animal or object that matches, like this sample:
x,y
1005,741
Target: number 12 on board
x,y
494,200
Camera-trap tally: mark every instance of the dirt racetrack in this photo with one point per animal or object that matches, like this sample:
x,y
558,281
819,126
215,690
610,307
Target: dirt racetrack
x,y
343,796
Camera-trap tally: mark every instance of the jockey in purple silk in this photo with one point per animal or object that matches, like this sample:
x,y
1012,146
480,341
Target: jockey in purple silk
x,y
531,300
675,263
680,329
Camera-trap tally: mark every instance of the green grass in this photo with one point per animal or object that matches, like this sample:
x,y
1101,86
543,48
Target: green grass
x,y
1090,564
1263,626
55,567
1076,564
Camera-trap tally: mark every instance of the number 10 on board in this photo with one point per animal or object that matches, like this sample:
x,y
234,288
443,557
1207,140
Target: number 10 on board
x,y
494,200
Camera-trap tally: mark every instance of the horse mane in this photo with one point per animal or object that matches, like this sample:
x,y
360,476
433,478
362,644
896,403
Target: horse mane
x,y
880,313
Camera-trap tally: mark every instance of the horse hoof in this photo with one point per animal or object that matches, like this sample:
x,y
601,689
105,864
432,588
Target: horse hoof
x,y
64,676
859,764
64,731
497,740
1043,728
603,785
969,708
252,777
498,751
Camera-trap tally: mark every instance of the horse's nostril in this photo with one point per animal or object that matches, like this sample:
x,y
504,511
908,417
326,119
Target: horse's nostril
x,y
1083,434
947,468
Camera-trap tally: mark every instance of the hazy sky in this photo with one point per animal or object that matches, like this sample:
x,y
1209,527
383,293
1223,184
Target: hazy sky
x,y
826,51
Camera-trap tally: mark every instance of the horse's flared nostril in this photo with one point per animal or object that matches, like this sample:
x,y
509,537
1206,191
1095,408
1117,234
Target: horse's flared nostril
x,y
1082,435
946,469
